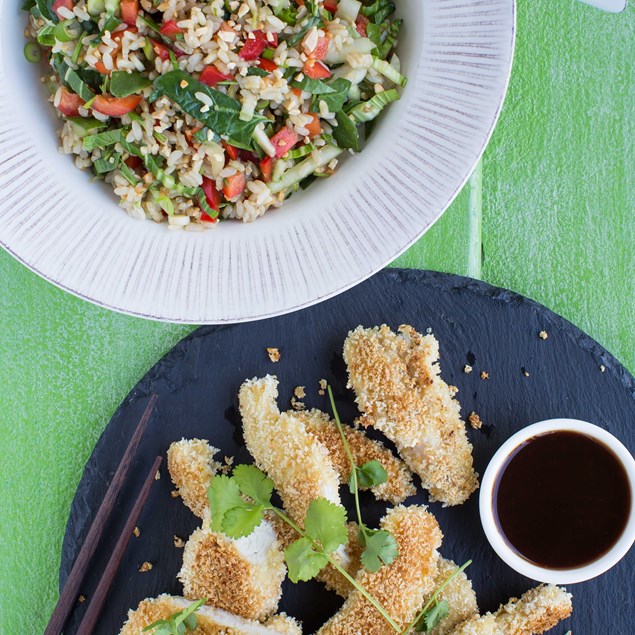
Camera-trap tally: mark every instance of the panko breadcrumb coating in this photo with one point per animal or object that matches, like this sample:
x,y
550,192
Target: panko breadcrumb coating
x,y
211,621
192,466
242,576
399,587
537,611
399,391
399,484
459,594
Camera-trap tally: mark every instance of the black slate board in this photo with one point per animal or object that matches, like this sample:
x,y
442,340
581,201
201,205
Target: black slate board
x,y
491,329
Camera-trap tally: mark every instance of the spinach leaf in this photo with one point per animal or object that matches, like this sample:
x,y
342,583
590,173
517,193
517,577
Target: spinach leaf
x,y
106,164
335,100
201,135
45,7
346,134
45,36
27,5
104,139
254,70
78,85
313,86
294,40
123,83
222,116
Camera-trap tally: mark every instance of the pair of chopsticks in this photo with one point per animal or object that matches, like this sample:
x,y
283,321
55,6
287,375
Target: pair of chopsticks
x,y
69,595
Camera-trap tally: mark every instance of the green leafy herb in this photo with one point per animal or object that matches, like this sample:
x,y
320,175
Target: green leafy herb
x,y
335,100
254,70
201,135
432,618
253,483
178,623
391,38
45,36
379,10
123,83
313,86
303,561
325,524
346,134
294,40
45,7
369,475
106,164
128,174
223,494
104,139
223,116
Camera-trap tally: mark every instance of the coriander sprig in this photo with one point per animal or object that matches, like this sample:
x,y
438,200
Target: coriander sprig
x,y
178,623
238,504
380,546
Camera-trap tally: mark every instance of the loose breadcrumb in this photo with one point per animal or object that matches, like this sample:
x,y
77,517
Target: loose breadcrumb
x,y
484,375
81,599
322,390
299,392
397,487
467,369
399,587
192,466
145,567
210,621
475,421
175,493
179,543
602,368
543,335
535,612
297,405
136,532
399,390
274,354
157,476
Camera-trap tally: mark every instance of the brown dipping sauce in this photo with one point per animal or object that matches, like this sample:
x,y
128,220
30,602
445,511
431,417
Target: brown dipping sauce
x,y
562,500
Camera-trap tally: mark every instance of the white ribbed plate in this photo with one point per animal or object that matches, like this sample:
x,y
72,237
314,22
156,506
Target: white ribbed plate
x,y
457,55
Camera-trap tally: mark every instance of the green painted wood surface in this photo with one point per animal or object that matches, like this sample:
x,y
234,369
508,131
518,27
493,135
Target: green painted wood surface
x,y
553,209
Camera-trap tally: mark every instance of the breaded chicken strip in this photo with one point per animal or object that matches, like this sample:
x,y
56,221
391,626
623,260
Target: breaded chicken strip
x,y
459,594
398,388
293,458
191,465
211,621
537,611
399,483
243,576
399,587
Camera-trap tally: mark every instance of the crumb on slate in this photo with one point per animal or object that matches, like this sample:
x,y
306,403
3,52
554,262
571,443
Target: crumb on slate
x,y
157,476
525,372
323,385
136,532
484,375
81,598
475,420
179,543
297,405
145,567
299,392
274,354
602,368
543,335
467,369
175,493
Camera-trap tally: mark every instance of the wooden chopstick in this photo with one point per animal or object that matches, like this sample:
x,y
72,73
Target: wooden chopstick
x,y
70,592
99,597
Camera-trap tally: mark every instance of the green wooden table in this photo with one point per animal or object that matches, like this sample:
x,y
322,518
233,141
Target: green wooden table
x,y
549,213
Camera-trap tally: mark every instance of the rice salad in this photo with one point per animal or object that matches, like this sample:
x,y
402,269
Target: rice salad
x,y
199,111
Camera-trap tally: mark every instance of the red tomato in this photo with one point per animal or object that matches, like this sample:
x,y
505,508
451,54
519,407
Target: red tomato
x,y
212,195
283,141
315,70
266,168
170,29
330,5
133,162
272,39
129,11
160,50
69,103
267,65
361,24
254,46
232,151
234,185
211,76
115,106
321,49
58,4
314,127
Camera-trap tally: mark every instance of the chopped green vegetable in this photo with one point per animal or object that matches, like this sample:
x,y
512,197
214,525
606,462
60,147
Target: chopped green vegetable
x,y
96,7
123,83
178,623
165,203
78,85
300,171
67,31
334,101
32,52
45,36
106,164
391,38
83,126
104,139
128,174
313,86
389,72
432,618
370,109
346,134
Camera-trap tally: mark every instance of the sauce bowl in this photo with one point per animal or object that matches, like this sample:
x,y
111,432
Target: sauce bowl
x,y
488,512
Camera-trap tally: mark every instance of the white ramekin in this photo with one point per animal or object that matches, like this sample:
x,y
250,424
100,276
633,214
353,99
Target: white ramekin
x,y
498,541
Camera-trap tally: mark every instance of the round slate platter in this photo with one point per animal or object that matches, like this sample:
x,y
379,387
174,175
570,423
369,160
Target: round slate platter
x,y
493,330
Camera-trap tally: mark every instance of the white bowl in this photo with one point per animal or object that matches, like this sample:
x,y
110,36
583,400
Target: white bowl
x,y
501,546
457,55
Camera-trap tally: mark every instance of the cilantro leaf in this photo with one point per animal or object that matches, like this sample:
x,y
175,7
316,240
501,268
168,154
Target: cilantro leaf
x,y
380,548
303,561
369,475
178,623
239,522
223,494
432,617
254,483
325,524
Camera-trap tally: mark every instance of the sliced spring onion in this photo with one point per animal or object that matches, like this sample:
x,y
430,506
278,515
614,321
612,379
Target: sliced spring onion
x,y
148,50
391,38
32,52
96,7
302,151
77,51
389,72
67,31
269,54
112,5
303,169
261,138
45,36
128,174
160,137
370,109
165,203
